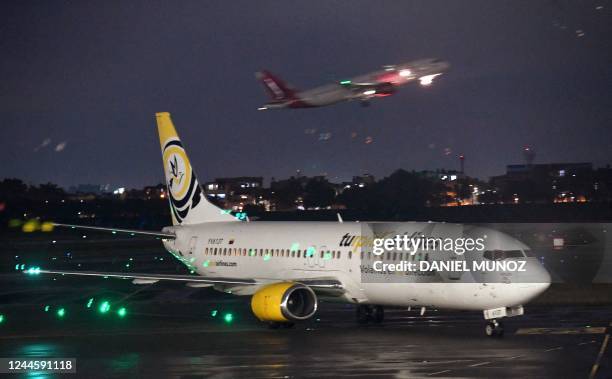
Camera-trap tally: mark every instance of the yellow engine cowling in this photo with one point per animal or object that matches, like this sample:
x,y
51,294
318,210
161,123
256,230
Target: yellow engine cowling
x,y
284,302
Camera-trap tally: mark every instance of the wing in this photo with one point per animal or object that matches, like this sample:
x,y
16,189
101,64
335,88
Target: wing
x,y
118,230
330,286
367,90
148,278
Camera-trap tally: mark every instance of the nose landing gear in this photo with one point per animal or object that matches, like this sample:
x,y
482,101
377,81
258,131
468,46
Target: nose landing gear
x,y
494,328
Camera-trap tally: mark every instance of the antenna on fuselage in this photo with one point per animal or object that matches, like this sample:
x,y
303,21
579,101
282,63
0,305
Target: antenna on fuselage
x,y
339,217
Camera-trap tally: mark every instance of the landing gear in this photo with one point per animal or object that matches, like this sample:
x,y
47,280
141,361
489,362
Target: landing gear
x,y
494,328
378,314
366,314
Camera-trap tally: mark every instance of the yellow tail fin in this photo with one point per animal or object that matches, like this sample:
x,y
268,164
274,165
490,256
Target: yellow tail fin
x,y
188,203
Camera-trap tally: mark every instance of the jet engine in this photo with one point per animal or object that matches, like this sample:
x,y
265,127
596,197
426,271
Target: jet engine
x,y
284,302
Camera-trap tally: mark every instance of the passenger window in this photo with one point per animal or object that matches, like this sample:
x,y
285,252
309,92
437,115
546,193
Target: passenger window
x,y
350,254
339,252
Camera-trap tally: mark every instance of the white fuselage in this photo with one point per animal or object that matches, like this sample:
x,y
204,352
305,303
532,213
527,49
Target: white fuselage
x,y
276,251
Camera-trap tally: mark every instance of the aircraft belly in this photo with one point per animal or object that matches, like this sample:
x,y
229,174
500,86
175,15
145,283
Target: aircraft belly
x,y
462,296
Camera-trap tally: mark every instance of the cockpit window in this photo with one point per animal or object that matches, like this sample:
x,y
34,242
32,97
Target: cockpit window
x,y
498,255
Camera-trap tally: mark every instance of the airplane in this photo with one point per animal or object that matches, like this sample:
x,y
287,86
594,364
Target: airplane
x,y
287,267
380,83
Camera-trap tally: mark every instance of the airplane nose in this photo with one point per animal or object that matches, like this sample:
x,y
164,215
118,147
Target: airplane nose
x,y
539,282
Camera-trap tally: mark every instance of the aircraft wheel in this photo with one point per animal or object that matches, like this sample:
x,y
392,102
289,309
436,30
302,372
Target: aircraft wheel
x,y
494,329
364,314
379,314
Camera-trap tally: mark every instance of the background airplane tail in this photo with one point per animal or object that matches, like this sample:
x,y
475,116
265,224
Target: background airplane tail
x,y
276,88
188,203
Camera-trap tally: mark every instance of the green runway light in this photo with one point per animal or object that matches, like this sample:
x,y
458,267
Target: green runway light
x,y
1,319
104,307
61,313
228,318
267,257
33,271
345,82
114,232
17,267
89,302
22,267
127,265
122,312
214,313
47,308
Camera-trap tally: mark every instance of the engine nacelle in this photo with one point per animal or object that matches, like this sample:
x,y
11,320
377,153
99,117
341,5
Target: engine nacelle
x,y
284,302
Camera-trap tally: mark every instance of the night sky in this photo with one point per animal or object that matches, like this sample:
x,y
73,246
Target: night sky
x,y
81,81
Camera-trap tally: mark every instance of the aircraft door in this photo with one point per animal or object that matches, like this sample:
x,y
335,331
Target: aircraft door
x,y
322,255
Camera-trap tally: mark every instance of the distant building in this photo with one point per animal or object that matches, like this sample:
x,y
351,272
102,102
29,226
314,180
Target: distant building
x,y
358,181
236,193
549,182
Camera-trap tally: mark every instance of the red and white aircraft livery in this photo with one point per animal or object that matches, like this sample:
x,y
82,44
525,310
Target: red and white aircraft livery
x,y
363,88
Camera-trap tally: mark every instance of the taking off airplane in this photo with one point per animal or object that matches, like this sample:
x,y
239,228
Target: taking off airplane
x,y
286,267
375,84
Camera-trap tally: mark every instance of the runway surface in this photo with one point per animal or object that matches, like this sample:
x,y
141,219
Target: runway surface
x,y
179,332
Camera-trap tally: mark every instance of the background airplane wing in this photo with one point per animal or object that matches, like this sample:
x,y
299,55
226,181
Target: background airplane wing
x,y
368,90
